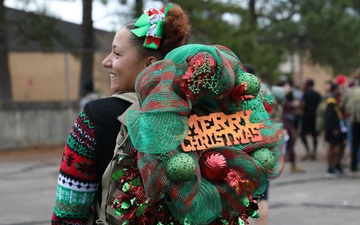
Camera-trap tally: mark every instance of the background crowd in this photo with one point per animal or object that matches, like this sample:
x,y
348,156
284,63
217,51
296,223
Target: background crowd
x,y
308,115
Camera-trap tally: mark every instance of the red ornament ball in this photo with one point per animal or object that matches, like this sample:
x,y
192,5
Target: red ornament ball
x,y
213,166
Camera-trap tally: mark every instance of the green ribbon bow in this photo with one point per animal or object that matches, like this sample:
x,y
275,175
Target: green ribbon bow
x,y
151,25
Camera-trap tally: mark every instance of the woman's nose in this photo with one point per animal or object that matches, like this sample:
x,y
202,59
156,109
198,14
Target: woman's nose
x,y
106,62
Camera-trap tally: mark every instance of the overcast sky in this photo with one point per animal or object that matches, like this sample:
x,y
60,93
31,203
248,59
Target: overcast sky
x,y
71,11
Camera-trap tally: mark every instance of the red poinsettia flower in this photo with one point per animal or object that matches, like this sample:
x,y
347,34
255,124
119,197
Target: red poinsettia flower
x,y
239,92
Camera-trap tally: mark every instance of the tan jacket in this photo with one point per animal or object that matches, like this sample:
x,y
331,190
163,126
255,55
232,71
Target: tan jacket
x,y
351,103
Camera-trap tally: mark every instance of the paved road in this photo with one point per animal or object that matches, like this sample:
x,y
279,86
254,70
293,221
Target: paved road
x,y
28,182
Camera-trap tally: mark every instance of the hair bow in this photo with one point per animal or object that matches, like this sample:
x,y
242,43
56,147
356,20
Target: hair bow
x,y
151,25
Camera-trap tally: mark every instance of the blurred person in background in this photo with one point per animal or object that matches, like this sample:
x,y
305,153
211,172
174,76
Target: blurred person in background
x,y
351,105
320,111
289,118
335,133
88,94
342,82
309,104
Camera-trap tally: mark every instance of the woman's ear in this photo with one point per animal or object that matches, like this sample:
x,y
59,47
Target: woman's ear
x,y
151,60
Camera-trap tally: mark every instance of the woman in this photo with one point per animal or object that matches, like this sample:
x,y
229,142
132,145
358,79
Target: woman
x,y
289,107
335,133
90,145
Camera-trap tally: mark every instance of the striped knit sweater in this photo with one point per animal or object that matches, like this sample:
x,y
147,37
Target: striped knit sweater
x,y
88,150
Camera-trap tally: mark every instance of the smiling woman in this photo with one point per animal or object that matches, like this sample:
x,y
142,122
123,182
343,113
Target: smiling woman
x,y
90,145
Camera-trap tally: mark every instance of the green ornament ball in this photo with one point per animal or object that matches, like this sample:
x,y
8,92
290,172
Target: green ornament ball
x,y
265,157
180,167
252,81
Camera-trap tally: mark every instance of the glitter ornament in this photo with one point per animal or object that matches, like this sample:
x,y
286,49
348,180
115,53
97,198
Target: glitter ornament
x,y
265,157
180,167
253,83
213,166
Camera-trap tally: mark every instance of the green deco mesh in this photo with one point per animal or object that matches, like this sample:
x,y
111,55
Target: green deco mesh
x,y
159,128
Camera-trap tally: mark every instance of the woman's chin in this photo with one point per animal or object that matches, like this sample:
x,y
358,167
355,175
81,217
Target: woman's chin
x,y
114,88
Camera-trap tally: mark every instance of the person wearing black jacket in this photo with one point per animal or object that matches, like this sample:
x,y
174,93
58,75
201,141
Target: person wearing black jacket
x,y
335,133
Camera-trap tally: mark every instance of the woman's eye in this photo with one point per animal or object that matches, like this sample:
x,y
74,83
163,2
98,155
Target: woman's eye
x,y
116,53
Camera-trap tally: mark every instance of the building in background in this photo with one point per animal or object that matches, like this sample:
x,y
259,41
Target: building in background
x,y
39,75
302,69
45,82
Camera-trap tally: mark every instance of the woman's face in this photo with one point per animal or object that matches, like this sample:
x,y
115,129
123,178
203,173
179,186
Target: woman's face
x,y
123,63
327,87
287,87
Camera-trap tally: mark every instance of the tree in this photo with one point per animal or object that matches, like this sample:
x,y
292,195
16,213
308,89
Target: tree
x,y
139,5
5,81
328,33
87,50
29,28
236,26
44,33
39,28
87,29
262,31
319,30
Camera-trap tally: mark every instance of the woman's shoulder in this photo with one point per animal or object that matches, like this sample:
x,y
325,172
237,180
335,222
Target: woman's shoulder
x,y
330,100
105,107
110,101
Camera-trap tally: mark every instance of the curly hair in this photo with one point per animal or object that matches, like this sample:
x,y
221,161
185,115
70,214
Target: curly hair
x,y
176,32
